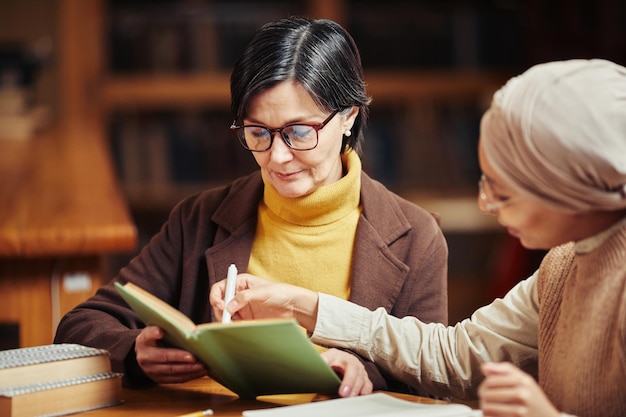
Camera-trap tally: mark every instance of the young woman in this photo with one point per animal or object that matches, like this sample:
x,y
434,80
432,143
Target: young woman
x,y
553,154
308,217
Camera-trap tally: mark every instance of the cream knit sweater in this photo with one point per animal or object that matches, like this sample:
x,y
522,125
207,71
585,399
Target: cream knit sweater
x,y
582,328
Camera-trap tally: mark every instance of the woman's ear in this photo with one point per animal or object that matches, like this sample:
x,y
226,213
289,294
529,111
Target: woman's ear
x,y
349,117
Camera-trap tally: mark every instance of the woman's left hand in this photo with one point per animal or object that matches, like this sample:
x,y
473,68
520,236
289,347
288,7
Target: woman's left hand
x,y
508,391
354,379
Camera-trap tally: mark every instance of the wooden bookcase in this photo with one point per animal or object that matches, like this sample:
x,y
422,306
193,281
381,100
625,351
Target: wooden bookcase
x,y
413,93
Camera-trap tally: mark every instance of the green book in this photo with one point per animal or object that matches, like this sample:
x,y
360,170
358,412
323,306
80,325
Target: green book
x,y
249,357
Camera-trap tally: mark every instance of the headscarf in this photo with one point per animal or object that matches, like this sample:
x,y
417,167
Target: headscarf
x,y
557,133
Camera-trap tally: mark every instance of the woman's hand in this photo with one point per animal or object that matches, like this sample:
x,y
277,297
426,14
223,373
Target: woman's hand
x,y
508,391
244,282
258,298
162,364
354,379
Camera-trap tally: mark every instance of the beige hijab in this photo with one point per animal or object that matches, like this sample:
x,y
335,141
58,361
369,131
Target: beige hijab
x,y
557,132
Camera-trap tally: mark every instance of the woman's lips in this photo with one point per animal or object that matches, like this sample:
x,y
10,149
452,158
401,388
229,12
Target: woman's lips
x,y
285,176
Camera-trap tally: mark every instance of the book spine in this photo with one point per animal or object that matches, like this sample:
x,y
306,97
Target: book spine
x,y
29,389
48,353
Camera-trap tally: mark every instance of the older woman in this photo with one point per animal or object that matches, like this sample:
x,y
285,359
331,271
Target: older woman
x,y
310,216
553,154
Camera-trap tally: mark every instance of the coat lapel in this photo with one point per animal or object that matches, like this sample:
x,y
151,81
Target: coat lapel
x,y
378,274
236,219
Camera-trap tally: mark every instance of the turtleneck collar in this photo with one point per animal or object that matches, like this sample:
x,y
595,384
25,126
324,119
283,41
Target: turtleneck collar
x,y
326,204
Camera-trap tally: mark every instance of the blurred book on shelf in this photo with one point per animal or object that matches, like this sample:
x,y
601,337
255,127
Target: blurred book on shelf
x,y
185,37
428,34
165,150
424,145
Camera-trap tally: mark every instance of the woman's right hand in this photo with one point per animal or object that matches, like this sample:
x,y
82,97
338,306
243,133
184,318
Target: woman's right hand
x,y
354,378
258,298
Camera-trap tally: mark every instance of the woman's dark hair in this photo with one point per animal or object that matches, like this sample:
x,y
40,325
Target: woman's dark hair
x,y
319,54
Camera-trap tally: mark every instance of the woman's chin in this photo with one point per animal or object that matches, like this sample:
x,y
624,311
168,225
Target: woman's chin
x,y
292,190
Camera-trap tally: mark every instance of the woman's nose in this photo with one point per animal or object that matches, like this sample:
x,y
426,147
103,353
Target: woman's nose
x,y
279,150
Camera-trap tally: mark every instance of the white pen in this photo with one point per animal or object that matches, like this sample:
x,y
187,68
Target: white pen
x,y
202,413
231,282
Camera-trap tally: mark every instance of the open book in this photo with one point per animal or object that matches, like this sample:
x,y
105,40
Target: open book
x,y
250,357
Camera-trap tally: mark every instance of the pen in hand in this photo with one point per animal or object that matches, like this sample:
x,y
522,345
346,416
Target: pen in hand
x,y
231,281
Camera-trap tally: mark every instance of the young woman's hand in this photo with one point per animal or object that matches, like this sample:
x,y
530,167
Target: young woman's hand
x,y
165,365
354,379
508,391
244,282
258,298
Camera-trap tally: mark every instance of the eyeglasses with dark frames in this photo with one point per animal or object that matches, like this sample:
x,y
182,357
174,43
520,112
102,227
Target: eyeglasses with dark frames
x,y
298,136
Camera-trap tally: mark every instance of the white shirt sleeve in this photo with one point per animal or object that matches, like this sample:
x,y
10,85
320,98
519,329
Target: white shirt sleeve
x,y
443,360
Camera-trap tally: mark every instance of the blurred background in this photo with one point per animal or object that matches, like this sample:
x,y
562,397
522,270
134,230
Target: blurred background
x,y
152,76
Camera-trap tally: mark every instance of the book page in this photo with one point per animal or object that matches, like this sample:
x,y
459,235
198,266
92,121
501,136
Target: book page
x,y
373,405
156,312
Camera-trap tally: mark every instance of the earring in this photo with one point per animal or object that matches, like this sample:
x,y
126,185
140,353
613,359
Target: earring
x,y
347,133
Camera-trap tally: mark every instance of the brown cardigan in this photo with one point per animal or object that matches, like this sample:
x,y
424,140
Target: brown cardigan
x,y
400,263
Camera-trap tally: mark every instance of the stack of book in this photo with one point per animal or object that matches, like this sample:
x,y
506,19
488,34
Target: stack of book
x,y
56,380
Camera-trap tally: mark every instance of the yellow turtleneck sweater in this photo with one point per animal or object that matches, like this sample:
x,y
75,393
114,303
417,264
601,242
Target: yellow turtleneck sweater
x,y
308,241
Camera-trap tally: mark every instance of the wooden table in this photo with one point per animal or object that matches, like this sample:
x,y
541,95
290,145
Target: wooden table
x,y
201,394
60,212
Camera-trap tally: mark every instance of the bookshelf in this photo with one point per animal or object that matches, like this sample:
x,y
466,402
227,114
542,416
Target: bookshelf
x,y
431,66
186,81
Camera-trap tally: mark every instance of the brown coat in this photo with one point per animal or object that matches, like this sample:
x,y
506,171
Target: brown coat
x,y
400,263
